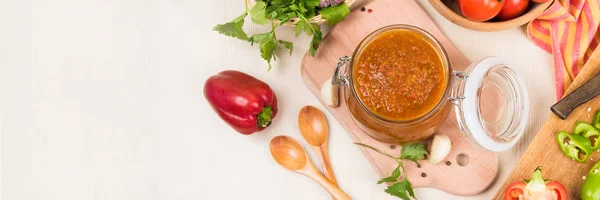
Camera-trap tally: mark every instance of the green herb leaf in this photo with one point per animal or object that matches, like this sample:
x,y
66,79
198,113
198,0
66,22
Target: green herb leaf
x,y
409,188
303,25
311,4
287,45
335,14
278,2
233,28
311,7
258,13
268,45
267,49
393,177
414,152
315,42
283,11
400,189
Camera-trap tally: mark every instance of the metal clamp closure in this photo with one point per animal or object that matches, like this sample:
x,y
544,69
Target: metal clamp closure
x,y
458,87
340,77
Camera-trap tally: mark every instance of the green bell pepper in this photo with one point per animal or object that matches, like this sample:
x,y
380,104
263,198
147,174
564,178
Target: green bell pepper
x,y
574,146
596,120
588,131
591,186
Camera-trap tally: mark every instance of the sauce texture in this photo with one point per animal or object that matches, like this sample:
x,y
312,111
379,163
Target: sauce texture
x,y
399,75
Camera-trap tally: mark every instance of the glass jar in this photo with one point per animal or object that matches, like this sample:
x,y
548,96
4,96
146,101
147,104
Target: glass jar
x,y
491,101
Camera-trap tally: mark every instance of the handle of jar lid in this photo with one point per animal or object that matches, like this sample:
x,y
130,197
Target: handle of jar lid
x,y
581,95
458,86
457,96
340,77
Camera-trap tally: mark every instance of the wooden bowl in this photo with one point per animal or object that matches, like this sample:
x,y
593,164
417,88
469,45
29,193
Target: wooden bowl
x,y
535,10
316,19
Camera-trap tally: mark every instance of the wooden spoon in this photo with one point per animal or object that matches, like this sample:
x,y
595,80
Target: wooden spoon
x,y
292,156
314,129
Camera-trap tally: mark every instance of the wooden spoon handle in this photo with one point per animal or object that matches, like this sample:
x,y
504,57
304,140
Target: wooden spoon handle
x,y
334,190
323,155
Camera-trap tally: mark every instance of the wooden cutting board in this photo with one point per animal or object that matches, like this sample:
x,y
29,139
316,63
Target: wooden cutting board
x,y
544,150
343,38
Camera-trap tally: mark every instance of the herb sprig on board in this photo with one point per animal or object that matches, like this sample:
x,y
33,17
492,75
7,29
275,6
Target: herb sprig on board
x,y
402,189
265,11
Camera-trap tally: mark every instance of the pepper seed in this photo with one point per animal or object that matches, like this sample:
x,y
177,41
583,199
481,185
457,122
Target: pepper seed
x,y
423,175
448,163
418,165
363,9
392,146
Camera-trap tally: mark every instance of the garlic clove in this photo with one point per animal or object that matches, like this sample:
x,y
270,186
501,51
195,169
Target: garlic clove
x,y
330,94
440,148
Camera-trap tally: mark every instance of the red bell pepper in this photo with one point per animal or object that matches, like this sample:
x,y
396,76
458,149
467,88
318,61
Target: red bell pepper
x,y
536,189
247,104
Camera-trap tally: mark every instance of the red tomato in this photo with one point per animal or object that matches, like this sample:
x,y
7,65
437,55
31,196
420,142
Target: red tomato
x,y
480,10
512,9
514,190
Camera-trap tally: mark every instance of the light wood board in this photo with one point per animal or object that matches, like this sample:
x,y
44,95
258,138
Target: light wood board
x,y
342,40
544,150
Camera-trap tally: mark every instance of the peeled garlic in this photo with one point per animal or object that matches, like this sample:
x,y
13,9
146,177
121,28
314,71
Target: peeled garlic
x,y
330,94
440,147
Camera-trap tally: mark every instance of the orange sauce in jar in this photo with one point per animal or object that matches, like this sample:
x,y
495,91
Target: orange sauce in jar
x,y
399,75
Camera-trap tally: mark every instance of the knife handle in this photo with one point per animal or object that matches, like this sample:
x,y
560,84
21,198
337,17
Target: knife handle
x,y
581,95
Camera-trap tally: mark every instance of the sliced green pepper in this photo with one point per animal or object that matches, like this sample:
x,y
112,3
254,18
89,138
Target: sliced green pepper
x,y
596,120
588,131
591,186
574,146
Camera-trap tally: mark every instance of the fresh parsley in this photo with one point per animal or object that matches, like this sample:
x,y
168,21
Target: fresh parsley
x,y
402,189
233,28
413,152
335,14
283,11
258,13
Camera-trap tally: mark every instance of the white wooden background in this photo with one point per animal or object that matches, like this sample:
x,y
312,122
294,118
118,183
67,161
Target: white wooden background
x,y
102,99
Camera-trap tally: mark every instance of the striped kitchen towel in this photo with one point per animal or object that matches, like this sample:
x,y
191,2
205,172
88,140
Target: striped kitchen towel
x,y
567,30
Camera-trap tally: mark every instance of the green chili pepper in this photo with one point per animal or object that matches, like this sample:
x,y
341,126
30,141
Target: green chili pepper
x,y
591,186
596,121
574,146
588,131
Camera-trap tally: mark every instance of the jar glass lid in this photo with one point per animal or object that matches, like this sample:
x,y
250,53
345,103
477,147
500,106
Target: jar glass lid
x,y
492,104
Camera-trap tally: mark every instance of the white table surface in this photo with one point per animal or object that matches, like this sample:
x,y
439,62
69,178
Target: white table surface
x,y
102,99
